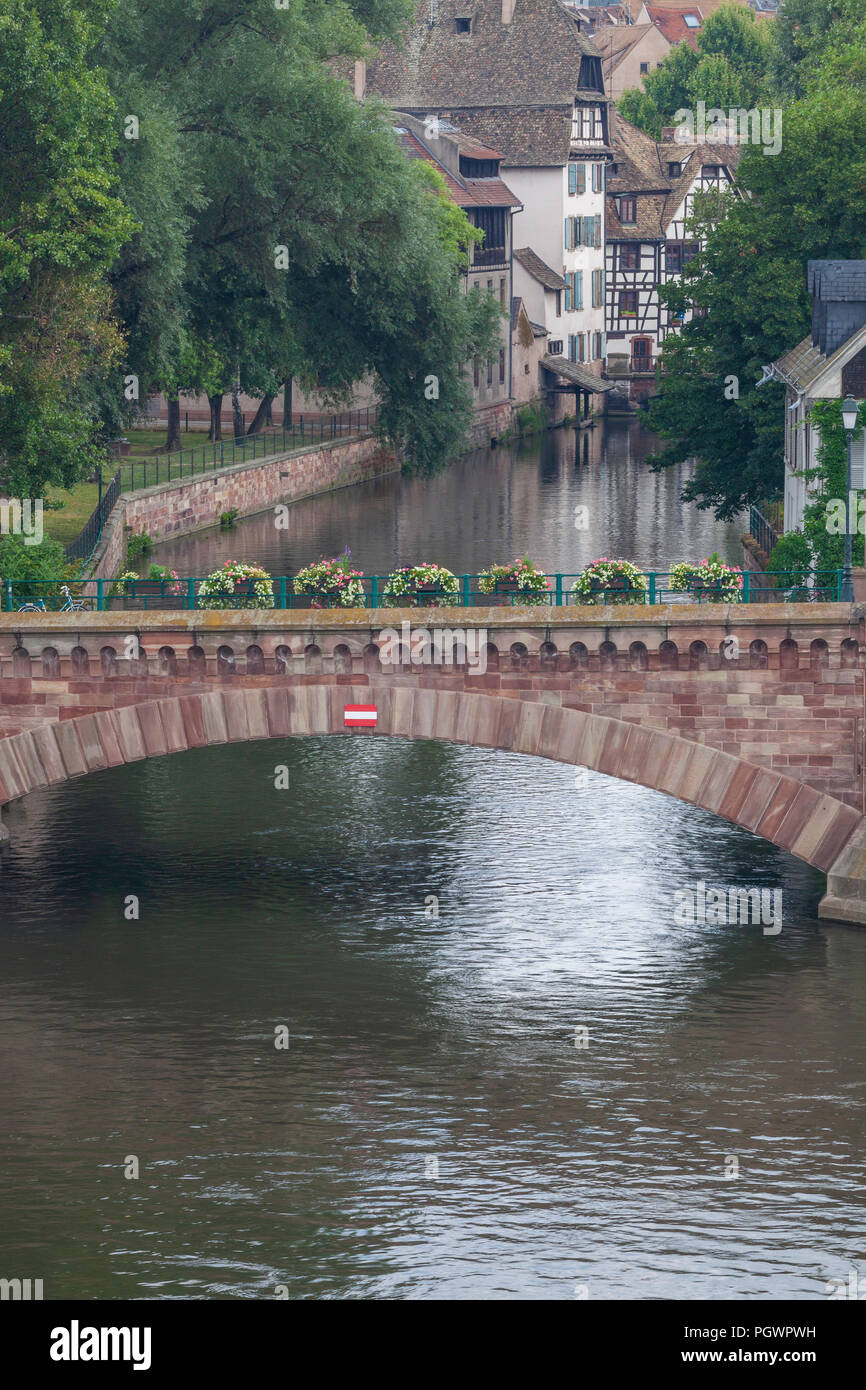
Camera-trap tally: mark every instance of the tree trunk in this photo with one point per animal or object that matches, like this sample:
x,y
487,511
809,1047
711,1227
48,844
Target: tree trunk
x,y
215,432
261,416
172,436
237,413
287,404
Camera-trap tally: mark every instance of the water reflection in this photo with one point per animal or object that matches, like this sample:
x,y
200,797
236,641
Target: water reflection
x,y
490,506
416,1037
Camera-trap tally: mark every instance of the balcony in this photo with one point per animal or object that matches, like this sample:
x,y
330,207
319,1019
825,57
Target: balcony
x,y
489,257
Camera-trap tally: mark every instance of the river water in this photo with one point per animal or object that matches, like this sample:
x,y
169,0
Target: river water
x,y
427,929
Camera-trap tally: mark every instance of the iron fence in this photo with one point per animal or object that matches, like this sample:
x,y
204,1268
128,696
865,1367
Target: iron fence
x,y
86,542
787,586
208,457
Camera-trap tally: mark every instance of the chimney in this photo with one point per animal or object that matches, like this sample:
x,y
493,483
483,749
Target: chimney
x,y
508,10
360,80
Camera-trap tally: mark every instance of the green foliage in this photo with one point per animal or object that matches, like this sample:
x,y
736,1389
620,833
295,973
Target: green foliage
x,y
228,518
750,285
20,561
61,225
138,545
251,141
531,418
731,67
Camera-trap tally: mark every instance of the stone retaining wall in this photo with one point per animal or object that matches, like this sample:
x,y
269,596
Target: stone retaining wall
x,y
192,504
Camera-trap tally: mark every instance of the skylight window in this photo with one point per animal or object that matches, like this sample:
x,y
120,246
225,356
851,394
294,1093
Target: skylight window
x,y
692,21
463,26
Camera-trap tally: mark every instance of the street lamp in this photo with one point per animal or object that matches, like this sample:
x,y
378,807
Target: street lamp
x,y
850,410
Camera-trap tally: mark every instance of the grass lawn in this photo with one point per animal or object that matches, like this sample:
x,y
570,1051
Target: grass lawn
x,y
79,503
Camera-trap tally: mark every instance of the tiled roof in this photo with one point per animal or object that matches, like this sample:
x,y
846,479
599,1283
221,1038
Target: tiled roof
x,y
467,193
531,136
672,23
532,60
510,85
805,363
616,40
840,282
535,266
573,372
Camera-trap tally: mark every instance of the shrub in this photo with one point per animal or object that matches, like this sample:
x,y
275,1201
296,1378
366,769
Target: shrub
x,y
138,544
532,583
401,588
332,580
727,580
610,581
218,590
228,518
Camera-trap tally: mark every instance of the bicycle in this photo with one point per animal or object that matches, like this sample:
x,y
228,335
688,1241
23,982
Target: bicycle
x,y
72,605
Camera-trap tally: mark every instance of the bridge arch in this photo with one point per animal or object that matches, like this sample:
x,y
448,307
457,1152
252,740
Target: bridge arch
x,y
812,826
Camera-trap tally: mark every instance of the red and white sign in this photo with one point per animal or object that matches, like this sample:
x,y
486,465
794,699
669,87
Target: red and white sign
x,y
360,716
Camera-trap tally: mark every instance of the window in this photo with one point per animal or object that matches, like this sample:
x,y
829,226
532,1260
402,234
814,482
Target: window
x,y
674,169
587,127
463,26
581,353
709,171
489,286
501,365
569,292
576,178
597,350
590,74
492,224
690,250
555,348
628,210
476,367
598,178
614,168
692,21
597,289
479,168
572,347
628,303
644,67
629,255
673,258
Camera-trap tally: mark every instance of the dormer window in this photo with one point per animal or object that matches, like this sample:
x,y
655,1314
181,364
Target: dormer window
x,y
590,74
627,210
463,26
709,171
479,168
674,169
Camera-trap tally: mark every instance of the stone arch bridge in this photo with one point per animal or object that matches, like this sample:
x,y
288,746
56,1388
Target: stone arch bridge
x,y
754,713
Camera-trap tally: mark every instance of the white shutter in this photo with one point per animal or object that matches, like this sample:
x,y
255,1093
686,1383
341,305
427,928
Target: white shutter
x,y
858,462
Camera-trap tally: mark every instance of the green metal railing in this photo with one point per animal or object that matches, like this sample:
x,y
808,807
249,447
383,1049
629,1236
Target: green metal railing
x,y
100,595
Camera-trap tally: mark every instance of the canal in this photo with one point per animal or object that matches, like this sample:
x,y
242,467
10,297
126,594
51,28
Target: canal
x,y
423,1023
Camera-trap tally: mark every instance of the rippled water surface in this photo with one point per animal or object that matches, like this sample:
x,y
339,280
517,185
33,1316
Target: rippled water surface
x,y
432,1129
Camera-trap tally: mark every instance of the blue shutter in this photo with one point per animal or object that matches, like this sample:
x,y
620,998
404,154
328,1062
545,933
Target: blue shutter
x,y
581,178
567,293
572,178
568,233
578,289
589,231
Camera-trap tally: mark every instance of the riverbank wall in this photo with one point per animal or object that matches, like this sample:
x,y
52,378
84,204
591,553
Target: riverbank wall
x,y
196,503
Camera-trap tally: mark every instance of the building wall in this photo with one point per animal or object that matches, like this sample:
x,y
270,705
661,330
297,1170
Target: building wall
x,y
651,49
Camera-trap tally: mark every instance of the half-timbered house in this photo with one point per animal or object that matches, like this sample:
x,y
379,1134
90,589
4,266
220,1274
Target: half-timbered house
x,y
520,76
650,197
